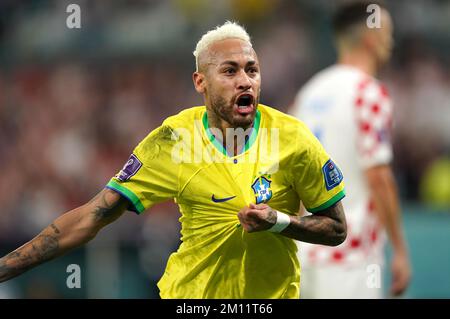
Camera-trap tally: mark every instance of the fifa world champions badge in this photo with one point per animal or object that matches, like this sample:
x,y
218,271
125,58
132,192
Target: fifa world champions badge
x,y
332,174
130,168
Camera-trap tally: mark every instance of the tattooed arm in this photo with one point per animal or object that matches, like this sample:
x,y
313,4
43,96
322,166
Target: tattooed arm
x,y
327,227
68,231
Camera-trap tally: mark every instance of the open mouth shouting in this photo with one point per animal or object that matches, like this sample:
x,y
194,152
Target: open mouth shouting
x,y
245,103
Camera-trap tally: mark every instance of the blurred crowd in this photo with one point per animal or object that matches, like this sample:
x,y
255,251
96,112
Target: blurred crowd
x,y
66,129
72,112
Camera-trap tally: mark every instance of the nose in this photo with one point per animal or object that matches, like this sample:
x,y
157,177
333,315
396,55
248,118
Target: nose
x,y
243,81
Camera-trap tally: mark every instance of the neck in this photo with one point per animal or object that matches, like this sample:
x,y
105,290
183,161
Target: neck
x,y
214,121
360,60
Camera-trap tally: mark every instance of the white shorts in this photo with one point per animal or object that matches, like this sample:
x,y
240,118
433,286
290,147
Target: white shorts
x,y
339,282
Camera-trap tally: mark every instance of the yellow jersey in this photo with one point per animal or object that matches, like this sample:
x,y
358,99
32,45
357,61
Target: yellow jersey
x,y
281,164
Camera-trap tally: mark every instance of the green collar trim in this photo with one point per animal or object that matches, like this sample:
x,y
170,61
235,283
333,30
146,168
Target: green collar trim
x,y
219,146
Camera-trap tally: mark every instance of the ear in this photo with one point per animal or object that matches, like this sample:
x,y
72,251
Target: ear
x,y
199,82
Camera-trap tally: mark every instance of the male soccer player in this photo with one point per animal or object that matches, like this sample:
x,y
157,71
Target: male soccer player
x,y
350,113
238,171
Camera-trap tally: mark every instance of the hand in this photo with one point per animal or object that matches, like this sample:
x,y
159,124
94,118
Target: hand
x,y
257,217
401,273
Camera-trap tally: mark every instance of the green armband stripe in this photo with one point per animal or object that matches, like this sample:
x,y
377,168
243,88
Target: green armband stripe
x,y
128,194
329,203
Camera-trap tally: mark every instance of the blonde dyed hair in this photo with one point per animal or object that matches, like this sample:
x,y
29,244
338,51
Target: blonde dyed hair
x,y
228,30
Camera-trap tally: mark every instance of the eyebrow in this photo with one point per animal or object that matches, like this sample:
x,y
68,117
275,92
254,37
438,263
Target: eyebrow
x,y
235,64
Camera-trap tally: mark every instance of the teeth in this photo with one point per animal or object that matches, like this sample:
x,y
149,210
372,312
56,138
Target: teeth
x,y
242,107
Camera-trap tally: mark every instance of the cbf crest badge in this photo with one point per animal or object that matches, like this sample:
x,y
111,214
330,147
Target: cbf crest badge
x,y
261,188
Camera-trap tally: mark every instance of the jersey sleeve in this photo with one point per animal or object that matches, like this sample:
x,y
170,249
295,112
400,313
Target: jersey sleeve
x,y
374,121
149,176
317,179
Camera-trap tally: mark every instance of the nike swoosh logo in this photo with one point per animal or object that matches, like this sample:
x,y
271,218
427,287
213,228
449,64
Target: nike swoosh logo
x,y
221,200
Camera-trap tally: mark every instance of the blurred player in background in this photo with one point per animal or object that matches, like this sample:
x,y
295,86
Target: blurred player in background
x,y
237,202
350,112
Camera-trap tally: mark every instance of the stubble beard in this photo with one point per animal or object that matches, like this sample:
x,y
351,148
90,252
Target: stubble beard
x,y
224,111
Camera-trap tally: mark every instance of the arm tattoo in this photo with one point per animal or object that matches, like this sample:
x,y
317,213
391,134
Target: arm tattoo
x,y
327,227
55,229
102,210
42,248
3,270
107,206
45,247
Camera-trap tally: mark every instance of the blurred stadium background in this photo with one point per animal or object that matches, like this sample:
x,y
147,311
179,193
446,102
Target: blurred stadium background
x,y
75,102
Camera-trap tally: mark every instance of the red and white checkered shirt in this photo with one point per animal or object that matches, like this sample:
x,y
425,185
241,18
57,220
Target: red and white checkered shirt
x,y
350,112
